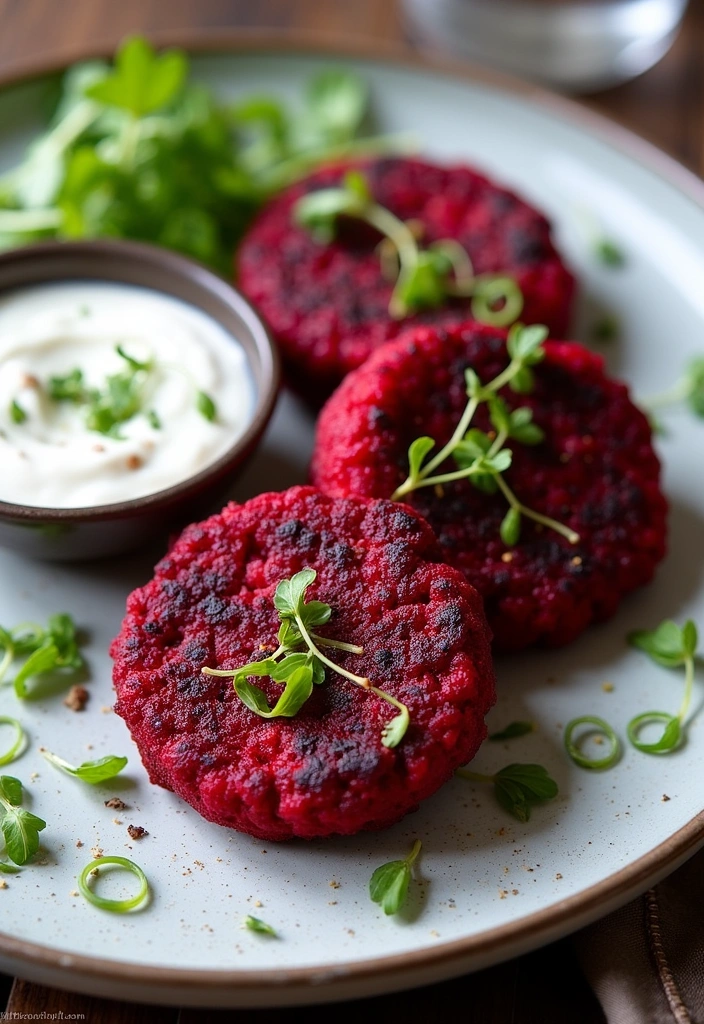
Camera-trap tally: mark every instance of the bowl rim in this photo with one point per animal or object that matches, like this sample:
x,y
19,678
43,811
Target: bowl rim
x,y
111,252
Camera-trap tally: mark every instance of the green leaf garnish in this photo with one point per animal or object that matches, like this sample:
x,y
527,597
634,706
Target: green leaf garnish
x,y
598,728
687,391
206,406
607,328
18,743
93,869
512,731
302,669
153,418
670,646
92,772
669,740
17,413
142,82
20,828
517,787
255,924
483,459
337,101
8,869
47,650
69,388
667,645
389,884
426,278
608,253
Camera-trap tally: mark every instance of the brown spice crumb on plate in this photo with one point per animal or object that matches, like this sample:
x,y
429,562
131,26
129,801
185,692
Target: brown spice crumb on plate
x,y
76,698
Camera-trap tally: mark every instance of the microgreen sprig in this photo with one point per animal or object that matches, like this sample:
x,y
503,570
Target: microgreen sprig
x,y
512,731
17,413
122,397
50,649
425,278
18,743
300,664
92,772
116,906
119,400
671,646
517,787
597,728
20,828
481,458
687,391
255,924
389,884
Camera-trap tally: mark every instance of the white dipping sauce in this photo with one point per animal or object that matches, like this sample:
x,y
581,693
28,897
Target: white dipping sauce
x,y
52,459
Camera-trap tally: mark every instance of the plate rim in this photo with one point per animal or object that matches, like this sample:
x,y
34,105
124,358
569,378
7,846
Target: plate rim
x,y
321,982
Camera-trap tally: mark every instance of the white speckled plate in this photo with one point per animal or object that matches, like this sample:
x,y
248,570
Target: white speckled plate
x,y
488,887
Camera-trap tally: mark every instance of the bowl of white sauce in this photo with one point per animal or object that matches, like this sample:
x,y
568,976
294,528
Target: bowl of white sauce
x,y
134,384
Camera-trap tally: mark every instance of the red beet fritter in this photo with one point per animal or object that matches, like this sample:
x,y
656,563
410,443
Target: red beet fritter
x,y
328,305
325,771
595,472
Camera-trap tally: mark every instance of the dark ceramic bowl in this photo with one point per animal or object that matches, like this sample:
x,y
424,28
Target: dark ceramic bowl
x,y
83,533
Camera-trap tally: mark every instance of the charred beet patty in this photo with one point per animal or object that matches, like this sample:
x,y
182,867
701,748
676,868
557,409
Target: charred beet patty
x,y
596,472
327,305
324,771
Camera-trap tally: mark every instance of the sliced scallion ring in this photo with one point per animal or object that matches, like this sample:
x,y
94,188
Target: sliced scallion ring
x,y
490,290
116,906
573,747
671,736
17,746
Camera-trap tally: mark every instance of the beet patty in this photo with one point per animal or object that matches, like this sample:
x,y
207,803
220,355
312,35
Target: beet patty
x,y
324,771
328,305
595,472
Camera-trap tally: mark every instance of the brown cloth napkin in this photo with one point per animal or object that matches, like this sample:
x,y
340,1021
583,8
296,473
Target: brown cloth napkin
x,y
645,962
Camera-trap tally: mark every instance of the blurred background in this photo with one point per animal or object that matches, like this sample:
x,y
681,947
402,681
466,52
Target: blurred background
x,y
579,46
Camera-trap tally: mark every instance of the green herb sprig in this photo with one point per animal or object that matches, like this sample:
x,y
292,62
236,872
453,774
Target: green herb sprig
x,y
609,253
671,646
19,741
389,884
517,787
300,664
17,413
137,150
425,278
92,870
255,924
20,828
92,772
51,649
687,391
121,398
512,731
483,459
599,728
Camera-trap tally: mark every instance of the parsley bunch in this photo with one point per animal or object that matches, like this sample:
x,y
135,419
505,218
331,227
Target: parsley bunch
x,y
299,663
480,457
138,151
425,278
45,650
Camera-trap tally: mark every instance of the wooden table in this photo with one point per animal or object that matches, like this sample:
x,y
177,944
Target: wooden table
x,y
666,106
